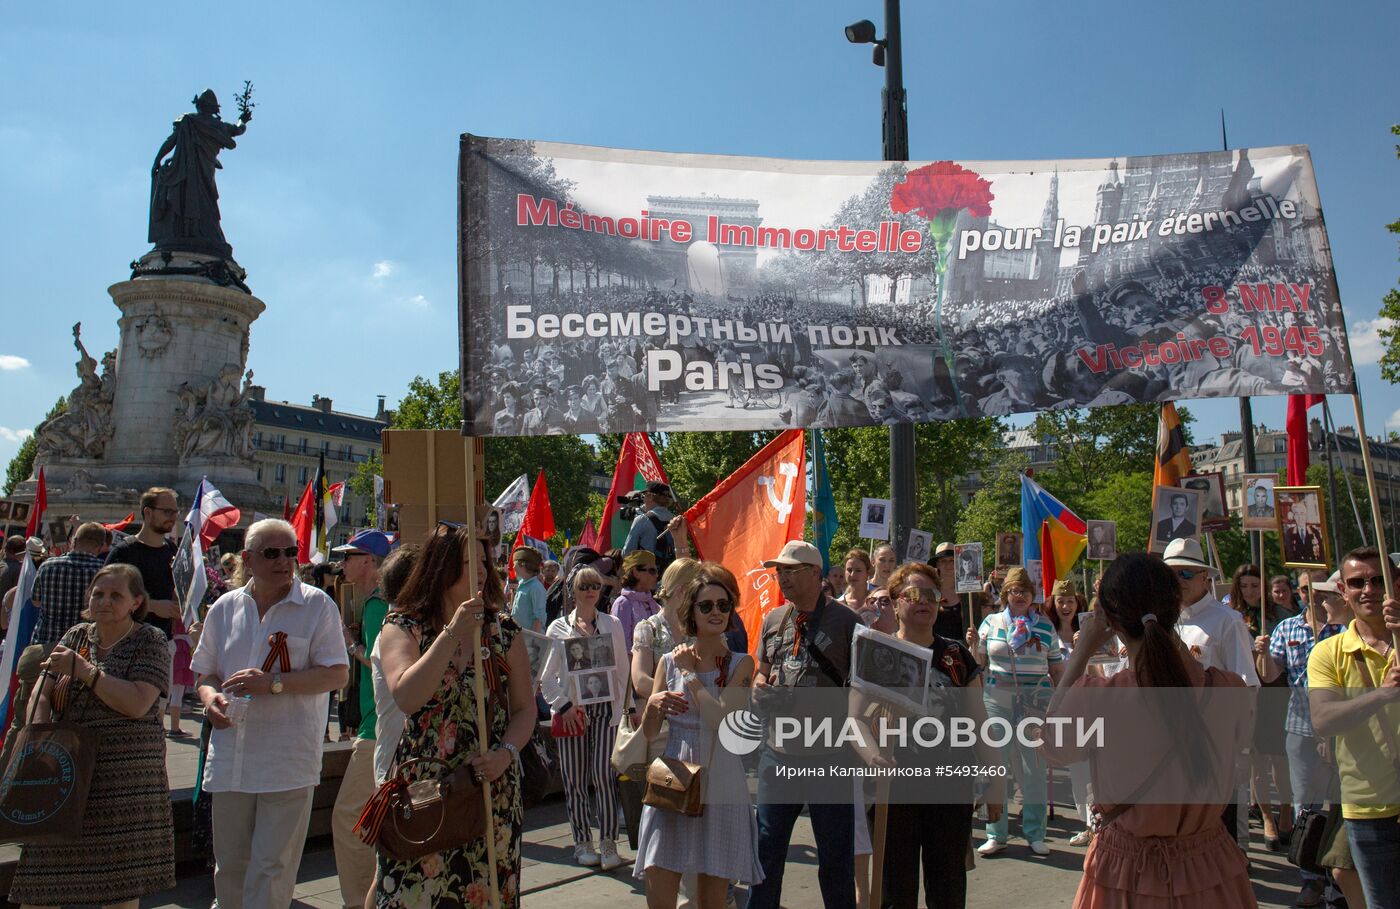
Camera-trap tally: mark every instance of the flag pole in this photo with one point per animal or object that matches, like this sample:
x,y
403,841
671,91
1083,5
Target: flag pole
x,y
877,840
483,654
1331,428
1376,518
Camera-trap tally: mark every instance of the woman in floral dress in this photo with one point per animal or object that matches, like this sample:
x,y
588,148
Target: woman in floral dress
x,y
429,651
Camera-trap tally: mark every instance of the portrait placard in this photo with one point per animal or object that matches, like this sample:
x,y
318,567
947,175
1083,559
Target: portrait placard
x,y
1260,512
890,670
967,567
1302,527
1008,549
1103,540
1177,517
874,519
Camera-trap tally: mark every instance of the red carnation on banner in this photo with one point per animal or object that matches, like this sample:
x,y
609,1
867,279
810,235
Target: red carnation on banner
x,y
941,186
938,191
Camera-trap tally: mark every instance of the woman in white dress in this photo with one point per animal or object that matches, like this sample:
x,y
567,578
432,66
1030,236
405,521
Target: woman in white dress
x,y
695,686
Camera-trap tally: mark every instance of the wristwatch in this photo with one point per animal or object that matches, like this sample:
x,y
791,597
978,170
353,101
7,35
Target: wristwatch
x,y
277,683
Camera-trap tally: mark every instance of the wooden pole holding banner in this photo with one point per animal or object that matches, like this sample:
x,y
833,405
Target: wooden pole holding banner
x,y
474,473
1263,590
1376,518
877,840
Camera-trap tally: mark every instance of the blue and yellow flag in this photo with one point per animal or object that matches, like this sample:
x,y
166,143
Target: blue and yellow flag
x,y
824,523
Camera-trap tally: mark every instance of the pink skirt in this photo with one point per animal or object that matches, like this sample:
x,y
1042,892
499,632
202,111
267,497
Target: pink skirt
x,y
1122,871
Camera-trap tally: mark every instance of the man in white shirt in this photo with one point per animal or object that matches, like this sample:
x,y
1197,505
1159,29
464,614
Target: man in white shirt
x,y
269,656
1215,634
1218,638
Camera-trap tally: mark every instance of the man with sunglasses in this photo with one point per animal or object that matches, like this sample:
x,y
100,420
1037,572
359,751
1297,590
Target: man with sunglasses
x,y
804,644
152,552
1354,695
275,649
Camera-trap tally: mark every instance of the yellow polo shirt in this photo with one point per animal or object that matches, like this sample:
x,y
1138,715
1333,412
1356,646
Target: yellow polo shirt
x,y
1369,779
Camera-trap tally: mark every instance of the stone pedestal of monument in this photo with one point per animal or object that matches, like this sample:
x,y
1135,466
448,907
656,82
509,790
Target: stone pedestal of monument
x,y
177,409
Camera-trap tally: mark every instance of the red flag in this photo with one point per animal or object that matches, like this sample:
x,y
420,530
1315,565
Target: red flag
x,y
304,523
538,522
589,537
122,524
637,465
36,512
748,517
1297,426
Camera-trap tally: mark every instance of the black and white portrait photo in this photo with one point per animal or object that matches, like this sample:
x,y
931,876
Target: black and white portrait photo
x,y
1176,516
889,669
578,654
594,687
600,652
1103,540
536,649
874,519
967,562
1008,549
1215,516
1259,512
1302,526
919,547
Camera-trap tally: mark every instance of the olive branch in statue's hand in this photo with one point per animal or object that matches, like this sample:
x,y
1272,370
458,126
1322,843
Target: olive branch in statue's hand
x,y
244,100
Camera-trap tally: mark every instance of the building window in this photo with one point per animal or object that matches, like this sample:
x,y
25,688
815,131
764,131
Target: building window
x,y
257,439
259,473
345,452
281,442
280,474
301,475
302,449
325,447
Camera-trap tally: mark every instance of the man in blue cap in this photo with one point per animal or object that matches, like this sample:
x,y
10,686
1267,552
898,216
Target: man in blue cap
x,y
355,861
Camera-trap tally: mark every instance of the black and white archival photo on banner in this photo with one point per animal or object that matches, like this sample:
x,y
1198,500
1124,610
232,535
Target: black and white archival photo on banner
x,y
889,669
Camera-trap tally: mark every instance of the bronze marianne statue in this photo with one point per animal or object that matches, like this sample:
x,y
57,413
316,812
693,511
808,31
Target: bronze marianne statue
x,y
184,194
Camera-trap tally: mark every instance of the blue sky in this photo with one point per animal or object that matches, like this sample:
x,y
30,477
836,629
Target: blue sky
x,y
340,199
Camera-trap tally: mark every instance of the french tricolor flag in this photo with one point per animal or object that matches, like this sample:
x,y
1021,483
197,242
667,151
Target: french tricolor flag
x,y
210,513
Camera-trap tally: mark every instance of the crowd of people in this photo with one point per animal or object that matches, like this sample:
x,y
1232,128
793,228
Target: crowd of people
x,y
645,638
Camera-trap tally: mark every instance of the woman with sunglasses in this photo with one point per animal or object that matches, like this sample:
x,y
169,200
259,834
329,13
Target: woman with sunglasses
x,y
430,653
635,603
878,611
1019,648
585,751
926,830
695,687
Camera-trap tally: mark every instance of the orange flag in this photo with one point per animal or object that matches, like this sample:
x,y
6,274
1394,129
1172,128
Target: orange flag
x,y
748,517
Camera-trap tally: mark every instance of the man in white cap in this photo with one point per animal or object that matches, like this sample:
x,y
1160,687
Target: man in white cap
x,y
805,643
1287,651
1215,634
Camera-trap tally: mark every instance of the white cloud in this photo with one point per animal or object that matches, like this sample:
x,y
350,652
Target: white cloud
x,y
1366,344
383,269
14,435
10,362
418,301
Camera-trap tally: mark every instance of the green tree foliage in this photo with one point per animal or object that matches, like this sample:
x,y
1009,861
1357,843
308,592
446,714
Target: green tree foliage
x,y
1390,309
568,461
21,465
858,460
1124,497
696,461
1091,445
996,508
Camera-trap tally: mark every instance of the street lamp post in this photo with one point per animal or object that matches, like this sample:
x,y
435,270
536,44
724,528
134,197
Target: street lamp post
x,y
895,129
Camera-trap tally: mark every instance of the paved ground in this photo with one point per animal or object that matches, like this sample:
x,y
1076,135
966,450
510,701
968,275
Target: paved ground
x,y
1014,878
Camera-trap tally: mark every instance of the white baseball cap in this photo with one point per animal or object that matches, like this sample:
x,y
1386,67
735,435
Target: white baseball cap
x,y
796,552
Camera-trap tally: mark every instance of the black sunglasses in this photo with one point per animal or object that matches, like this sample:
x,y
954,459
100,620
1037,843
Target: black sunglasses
x,y
272,552
705,607
589,586
1376,581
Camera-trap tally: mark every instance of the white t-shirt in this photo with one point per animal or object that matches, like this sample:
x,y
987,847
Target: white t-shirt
x,y
389,719
277,746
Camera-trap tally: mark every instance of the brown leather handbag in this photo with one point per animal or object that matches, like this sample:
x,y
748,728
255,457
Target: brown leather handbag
x,y
408,819
676,785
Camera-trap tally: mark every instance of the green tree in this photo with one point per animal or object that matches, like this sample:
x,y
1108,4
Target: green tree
x,y
697,461
858,460
22,464
944,454
996,508
1126,498
1093,444
1390,309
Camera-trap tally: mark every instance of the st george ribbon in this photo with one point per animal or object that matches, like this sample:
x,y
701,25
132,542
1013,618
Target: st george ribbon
x,y
605,290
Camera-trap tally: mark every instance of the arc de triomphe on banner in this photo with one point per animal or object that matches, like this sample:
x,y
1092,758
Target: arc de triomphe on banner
x,y
737,264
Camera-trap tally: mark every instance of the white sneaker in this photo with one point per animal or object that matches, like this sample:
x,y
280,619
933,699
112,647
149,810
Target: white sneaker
x,y
1082,838
608,857
585,855
1039,848
991,847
